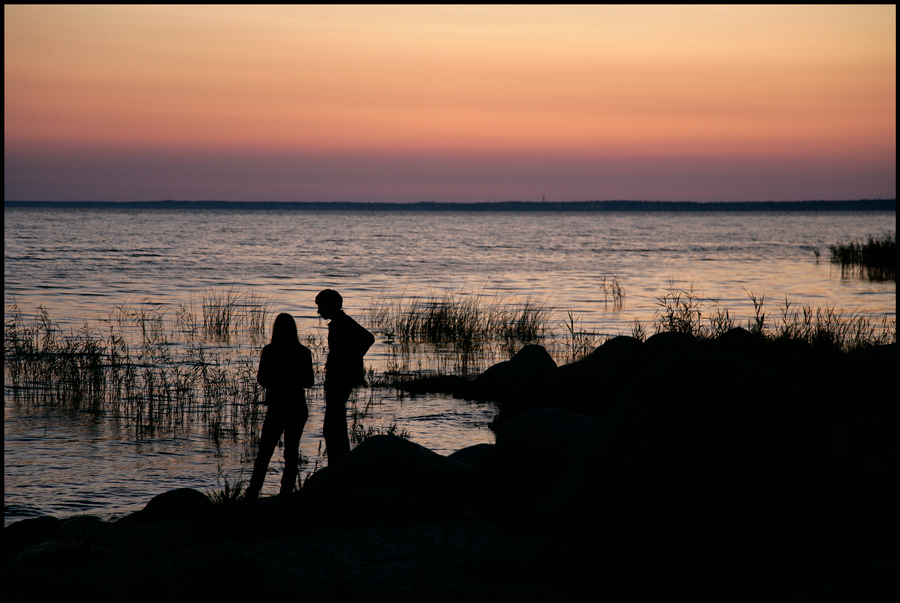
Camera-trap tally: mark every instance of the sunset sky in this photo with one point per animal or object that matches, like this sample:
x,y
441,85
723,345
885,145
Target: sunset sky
x,y
457,103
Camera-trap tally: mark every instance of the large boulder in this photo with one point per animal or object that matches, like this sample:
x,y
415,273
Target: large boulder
x,y
738,341
478,456
531,367
590,385
702,449
533,449
392,462
668,343
520,384
182,503
486,385
869,384
28,532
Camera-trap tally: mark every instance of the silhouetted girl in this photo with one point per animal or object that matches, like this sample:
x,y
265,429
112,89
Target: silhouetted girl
x,y
285,369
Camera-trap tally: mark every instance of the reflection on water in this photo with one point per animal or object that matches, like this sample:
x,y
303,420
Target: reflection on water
x,y
64,462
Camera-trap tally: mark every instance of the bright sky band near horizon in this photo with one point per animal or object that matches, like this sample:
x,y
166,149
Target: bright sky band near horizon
x,y
449,103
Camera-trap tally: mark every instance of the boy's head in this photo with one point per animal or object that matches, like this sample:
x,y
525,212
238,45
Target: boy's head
x,y
329,302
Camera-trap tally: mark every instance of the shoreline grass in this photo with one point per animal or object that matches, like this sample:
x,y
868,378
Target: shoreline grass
x,y
158,370
685,311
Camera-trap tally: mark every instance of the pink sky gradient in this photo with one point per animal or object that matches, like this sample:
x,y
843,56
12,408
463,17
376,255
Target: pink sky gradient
x,y
337,103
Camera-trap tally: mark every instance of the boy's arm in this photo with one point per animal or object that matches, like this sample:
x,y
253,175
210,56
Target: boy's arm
x,y
366,339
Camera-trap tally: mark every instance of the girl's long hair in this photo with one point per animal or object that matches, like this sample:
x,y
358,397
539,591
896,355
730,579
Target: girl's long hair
x,y
284,331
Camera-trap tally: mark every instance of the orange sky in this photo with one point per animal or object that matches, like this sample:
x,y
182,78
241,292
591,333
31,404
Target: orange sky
x,y
449,103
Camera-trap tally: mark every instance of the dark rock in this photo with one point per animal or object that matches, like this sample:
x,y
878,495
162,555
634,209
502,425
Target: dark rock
x,y
813,368
797,357
28,532
590,385
702,450
524,376
621,345
793,352
521,384
868,383
479,456
533,449
531,367
738,341
385,461
47,542
485,386
51,554
183,503
668,343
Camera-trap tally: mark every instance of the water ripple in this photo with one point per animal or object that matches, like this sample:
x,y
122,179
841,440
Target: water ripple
x,y
63,463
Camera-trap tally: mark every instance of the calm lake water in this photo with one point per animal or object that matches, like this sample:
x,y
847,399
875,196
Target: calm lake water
x,y
80,264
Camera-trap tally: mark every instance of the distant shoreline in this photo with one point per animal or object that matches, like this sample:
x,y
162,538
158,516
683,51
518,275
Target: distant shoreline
x,y
570,206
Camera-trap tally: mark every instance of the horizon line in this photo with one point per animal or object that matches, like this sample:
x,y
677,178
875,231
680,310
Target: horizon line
x,y
593,205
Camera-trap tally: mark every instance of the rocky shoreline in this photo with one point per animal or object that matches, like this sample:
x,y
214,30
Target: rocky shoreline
x,y
671,467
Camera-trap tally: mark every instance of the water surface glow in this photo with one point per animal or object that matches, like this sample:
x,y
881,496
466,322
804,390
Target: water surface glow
x,y
80,264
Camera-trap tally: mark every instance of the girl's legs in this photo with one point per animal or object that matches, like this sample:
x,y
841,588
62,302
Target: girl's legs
x,y
295,420
273,425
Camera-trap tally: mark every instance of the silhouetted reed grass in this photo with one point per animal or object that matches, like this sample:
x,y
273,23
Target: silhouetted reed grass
x,y
463,333
360,415
459,329
684,311
226,495
466,321
577,342
227,312
138,369
875,259
40,358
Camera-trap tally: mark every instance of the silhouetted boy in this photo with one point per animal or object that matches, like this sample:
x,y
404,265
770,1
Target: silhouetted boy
x,y
348,342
